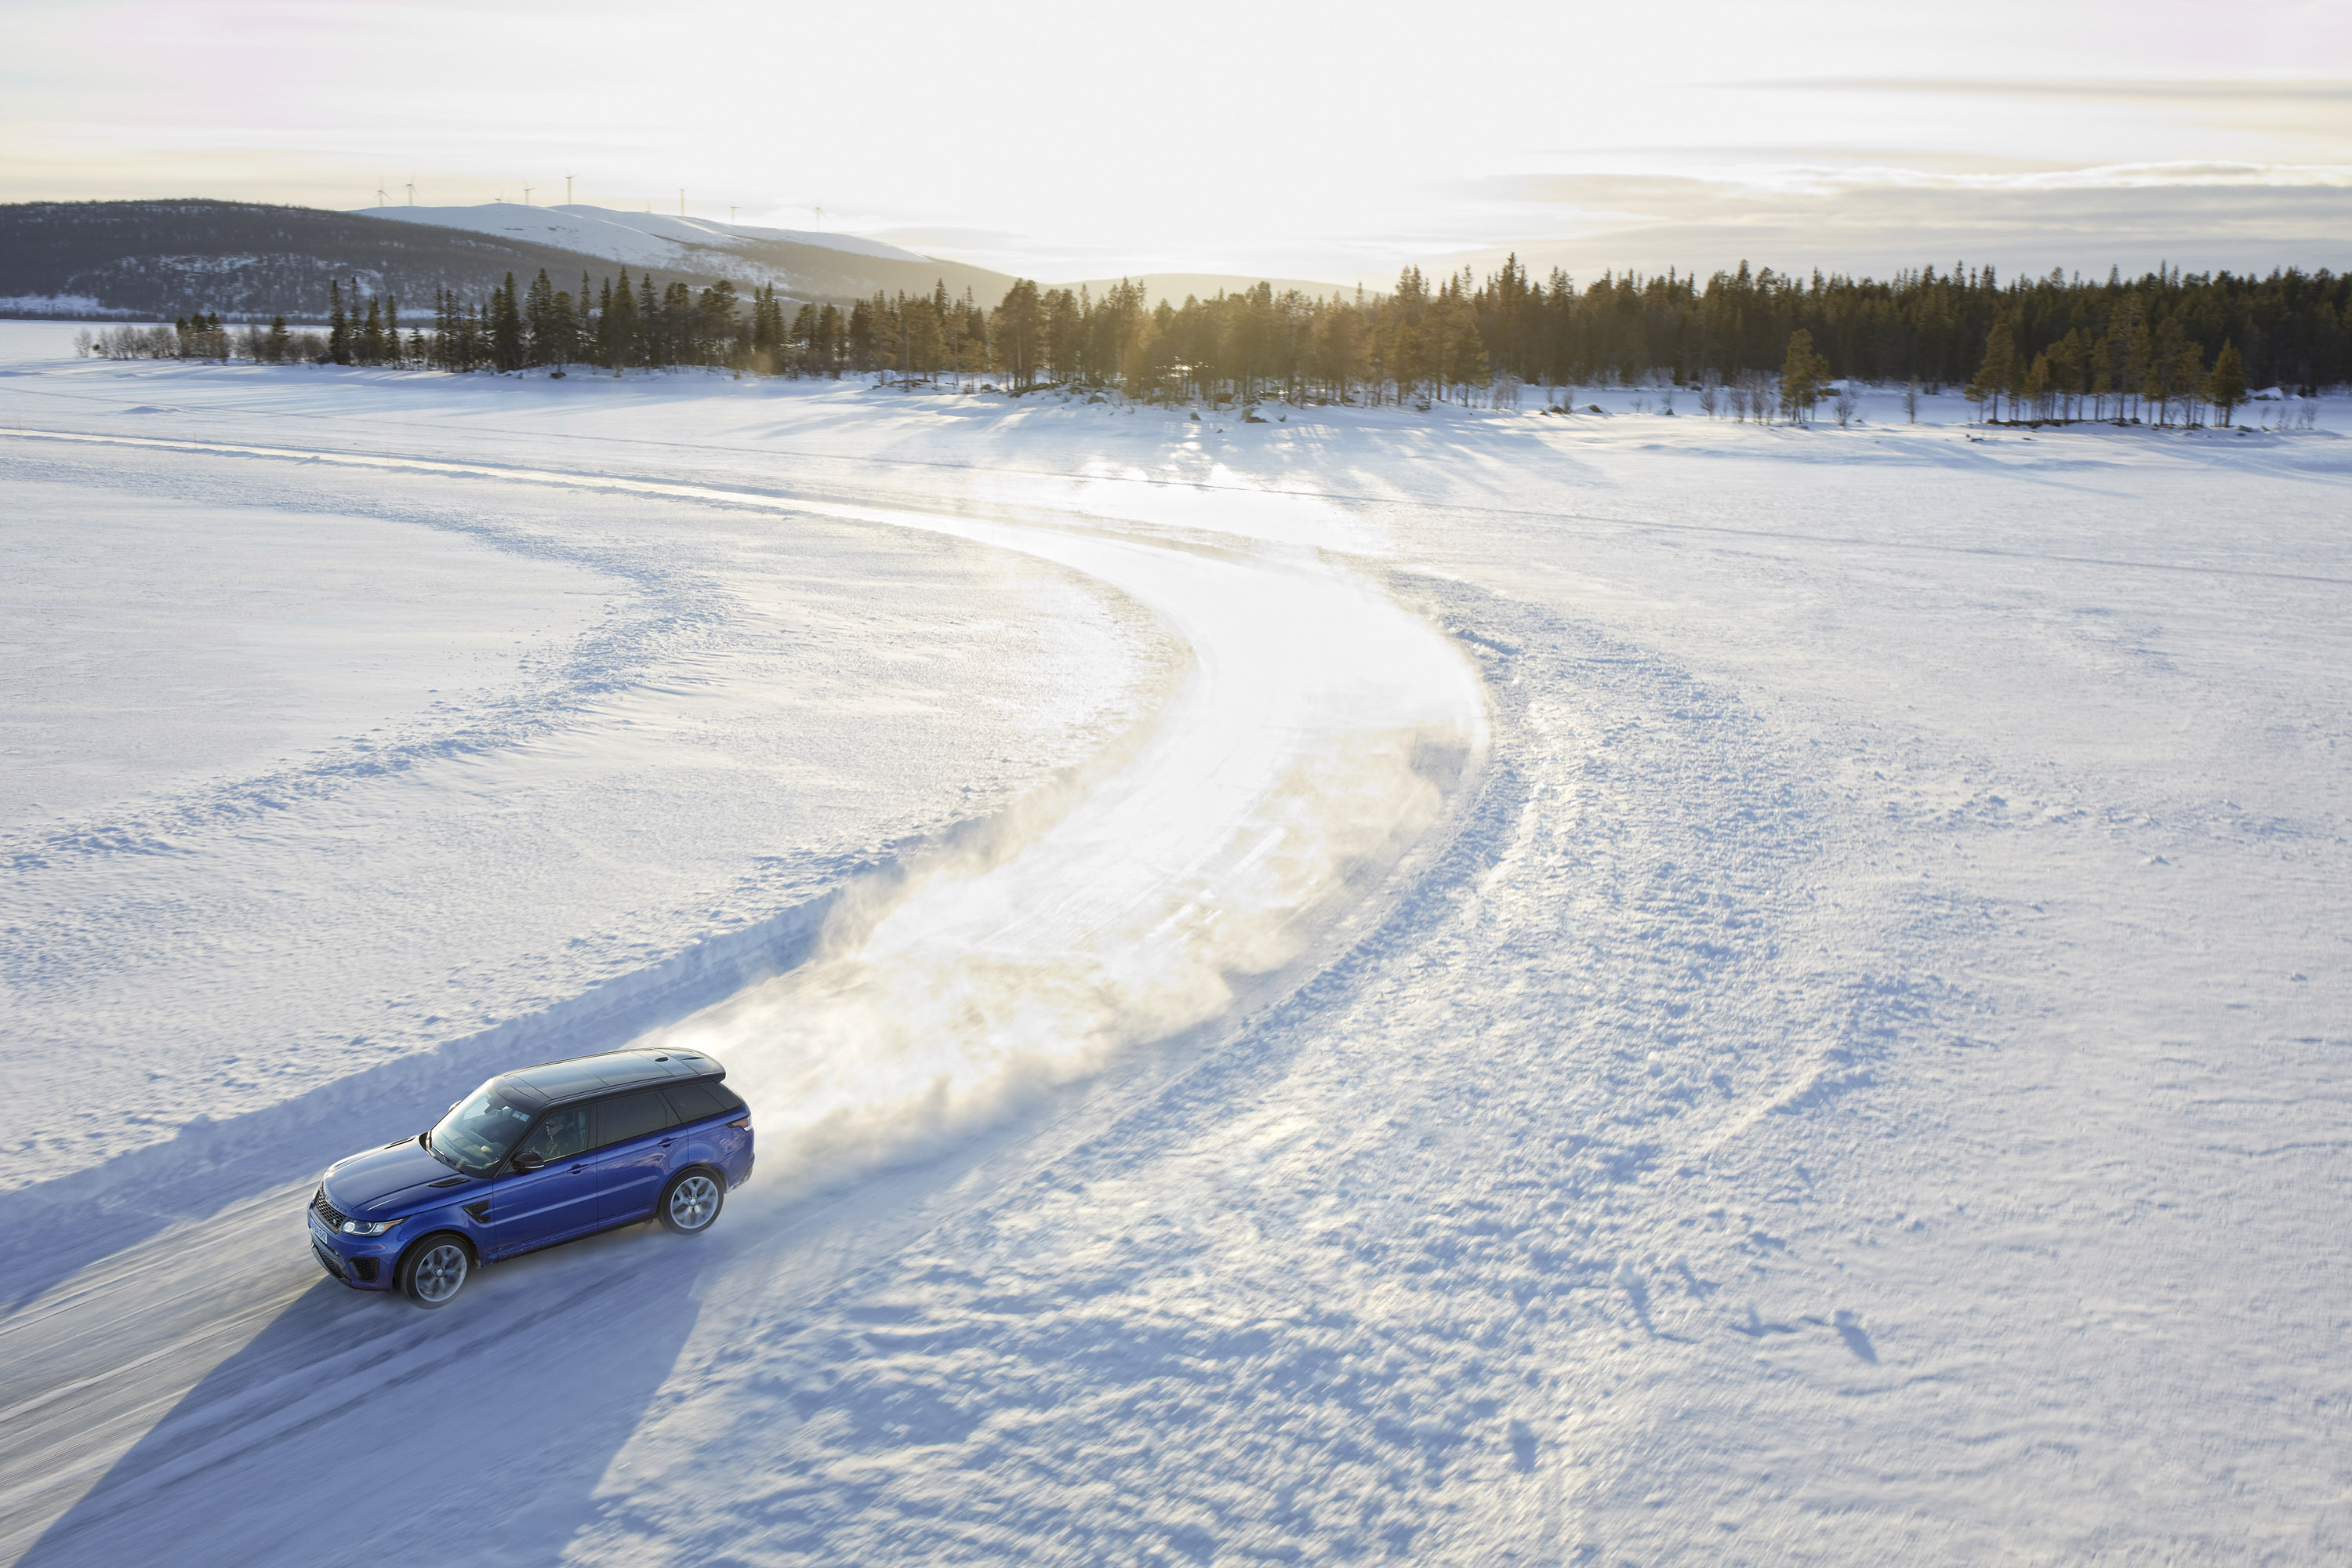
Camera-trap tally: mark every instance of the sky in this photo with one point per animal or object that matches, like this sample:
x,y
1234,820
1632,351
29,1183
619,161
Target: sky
x,y
1333,143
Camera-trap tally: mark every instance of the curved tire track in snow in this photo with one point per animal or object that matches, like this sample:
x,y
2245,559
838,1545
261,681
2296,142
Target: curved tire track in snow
x,y
1305,751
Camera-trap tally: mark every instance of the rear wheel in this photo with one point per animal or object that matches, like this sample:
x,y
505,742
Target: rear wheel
x,y
434,1270
692,1200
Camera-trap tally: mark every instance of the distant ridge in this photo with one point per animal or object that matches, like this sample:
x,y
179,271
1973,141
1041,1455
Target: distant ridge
x,y
1175,287
643,240
168,258
802,263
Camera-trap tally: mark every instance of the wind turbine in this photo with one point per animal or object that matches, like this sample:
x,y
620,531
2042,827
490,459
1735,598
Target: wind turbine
x,y
381,199
567,190
411,190
526,194
681,201
820,219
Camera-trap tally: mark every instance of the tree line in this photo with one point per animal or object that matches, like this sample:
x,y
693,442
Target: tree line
x,y
2291,328
2050,347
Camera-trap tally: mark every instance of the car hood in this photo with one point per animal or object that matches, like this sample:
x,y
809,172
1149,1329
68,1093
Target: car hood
x,y
384,1181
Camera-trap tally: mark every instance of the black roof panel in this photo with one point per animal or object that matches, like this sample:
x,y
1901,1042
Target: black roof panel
x,y
577,1077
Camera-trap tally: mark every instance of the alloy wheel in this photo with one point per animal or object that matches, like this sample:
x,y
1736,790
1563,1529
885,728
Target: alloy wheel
x,y
440,1273
693,1202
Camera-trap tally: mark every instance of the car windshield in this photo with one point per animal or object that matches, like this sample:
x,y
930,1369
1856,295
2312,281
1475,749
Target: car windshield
x,y
476,1134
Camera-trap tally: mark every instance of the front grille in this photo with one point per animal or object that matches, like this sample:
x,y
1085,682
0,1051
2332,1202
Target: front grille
x,y
327,1211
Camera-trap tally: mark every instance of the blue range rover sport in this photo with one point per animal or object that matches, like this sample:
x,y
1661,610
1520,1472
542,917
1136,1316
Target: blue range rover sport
x,y
531,1158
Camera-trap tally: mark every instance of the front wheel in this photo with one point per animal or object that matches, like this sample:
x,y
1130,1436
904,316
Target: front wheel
x,y
691,1201
434,1270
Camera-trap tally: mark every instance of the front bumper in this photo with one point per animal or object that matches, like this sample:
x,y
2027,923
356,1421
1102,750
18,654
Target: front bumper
x,y
361,1262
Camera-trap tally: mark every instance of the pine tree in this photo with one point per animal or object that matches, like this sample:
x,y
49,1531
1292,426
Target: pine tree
x,y
2167,353
2138,358
2188,380
924,344
539,321
2068,358
2039,379
803,339
339,329
1467,359
618,321
1803,373
1341,359
505,324
826,342
1998,374
971,348
2226,387
583,326
1017,328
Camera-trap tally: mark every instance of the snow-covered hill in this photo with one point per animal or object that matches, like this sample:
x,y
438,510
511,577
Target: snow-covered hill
x,y
802,264
639,240
166,258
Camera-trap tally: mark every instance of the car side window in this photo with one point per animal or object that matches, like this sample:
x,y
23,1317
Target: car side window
x,y
559,1136
693,1101
628,1116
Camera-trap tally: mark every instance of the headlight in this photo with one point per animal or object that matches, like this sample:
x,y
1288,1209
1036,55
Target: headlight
x,y
368,1227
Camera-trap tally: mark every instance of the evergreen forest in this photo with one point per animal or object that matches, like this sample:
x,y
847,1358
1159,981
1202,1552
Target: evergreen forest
x,y
2157,347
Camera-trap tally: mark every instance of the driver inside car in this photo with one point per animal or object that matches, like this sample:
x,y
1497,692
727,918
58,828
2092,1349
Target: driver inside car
x,y
560,1137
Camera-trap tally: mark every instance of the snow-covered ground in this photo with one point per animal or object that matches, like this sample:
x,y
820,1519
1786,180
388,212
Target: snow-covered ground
x,y
1437,987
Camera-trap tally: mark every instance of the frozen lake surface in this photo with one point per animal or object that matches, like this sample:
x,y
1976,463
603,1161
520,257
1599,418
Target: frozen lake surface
x,y
1449,987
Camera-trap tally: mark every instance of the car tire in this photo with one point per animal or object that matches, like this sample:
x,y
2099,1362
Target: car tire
x,y
432,1271
691,1201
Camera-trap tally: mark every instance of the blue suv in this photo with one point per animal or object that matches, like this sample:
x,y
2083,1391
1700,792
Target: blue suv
x,y
531,1158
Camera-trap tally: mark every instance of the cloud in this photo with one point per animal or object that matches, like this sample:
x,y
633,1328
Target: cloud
x,y
2172,91
2198,214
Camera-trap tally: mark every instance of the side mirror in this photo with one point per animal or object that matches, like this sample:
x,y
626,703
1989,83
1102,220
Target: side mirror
x,y
527,1162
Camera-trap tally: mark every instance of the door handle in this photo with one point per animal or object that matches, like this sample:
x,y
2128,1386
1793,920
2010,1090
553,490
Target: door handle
x,y
668,1142
581,1166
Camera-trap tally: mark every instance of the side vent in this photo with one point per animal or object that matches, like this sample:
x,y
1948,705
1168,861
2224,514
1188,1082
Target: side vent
x,y
480,1211
449,1182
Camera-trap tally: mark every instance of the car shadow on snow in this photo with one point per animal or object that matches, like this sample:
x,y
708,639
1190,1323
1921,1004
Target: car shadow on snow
x,y
358,1426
